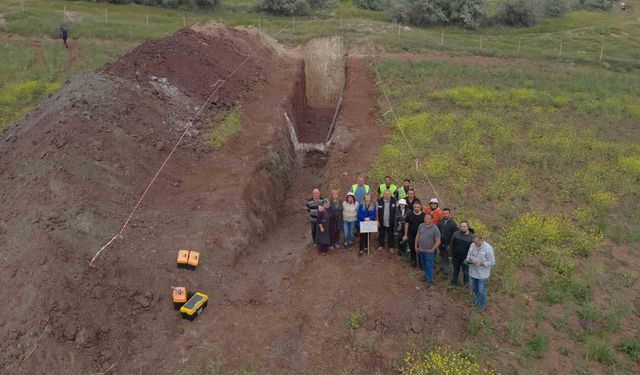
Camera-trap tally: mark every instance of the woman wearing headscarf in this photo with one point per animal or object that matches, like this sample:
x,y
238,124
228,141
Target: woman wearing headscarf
x,y
324,219
335,222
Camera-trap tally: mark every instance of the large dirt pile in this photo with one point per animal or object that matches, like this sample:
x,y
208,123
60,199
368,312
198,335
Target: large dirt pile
x,y
72,170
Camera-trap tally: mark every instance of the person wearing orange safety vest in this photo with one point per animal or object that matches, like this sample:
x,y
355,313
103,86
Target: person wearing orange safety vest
x,y
435,211
393,189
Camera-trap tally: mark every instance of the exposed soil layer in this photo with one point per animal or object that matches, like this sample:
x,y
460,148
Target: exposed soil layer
x,y
72,170
313,124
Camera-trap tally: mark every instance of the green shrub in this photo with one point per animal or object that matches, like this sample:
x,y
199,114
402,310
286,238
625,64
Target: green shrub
x,y
418,12
515,13
596,4
371,4
285,7
539,344
468,13
321,4
555,8
181,4
632,348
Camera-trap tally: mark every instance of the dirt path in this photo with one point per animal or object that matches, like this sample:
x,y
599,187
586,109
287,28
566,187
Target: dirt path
x,y
284,308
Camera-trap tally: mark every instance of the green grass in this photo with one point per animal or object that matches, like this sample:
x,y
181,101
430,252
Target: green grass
x,y
355,319
631,347
219,133
598,349
539,344
515,331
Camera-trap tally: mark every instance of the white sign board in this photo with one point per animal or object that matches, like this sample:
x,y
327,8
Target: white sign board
x,y
368,226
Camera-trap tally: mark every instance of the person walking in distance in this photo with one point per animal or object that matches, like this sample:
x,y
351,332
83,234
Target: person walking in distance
x,y
312,208
401,218
64,35
427,242
459,246
335,210
388,186
349,218
323,220
447,228
414,219
366,212
480,260
386,216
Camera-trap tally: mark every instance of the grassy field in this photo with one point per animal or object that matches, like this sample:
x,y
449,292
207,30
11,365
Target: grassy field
x,y
546,162
34,64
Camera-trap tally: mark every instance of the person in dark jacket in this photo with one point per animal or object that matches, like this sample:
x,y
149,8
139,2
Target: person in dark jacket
x,y
335,213
447,228
414,219
386,216
64,35
312,208
323,235
411,198
366,212
402,211
459,245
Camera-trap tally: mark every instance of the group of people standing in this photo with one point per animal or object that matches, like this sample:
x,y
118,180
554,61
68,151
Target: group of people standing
x,y
420,233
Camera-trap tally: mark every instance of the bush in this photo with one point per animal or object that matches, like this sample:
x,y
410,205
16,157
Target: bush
x,y
371,4
468,13
295,7
285,7
182,4
555,8
539,344
596,4
632,348
515,13
419,12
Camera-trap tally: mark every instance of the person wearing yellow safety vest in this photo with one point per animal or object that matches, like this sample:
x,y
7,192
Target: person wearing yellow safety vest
x,y
393,189
403,191
360,189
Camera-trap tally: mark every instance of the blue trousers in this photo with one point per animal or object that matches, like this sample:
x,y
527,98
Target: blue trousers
x,y
427,260
479,289
349,227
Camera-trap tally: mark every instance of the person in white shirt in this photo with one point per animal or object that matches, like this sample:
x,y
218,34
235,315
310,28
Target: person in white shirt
x,y
480,260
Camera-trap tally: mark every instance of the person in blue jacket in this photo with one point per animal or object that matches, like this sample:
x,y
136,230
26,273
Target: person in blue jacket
x,y
366,212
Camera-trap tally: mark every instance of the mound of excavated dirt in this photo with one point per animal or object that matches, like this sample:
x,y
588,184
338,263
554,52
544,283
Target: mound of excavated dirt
x,y
72,170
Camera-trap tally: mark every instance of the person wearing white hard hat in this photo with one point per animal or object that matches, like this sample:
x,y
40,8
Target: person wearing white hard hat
x,y
434,210
401,218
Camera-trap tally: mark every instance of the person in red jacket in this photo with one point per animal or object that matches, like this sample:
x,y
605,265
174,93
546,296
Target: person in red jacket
x,y
435,211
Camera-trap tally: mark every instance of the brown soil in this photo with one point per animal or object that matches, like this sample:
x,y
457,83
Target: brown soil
x,y
71,171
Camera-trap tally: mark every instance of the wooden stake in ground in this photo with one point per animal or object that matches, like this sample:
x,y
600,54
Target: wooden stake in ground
x,y
22,4
294,24
560,50
442,38
259,24
106,15
519,45
184,21
147,18
480,41
398,28
64,13
601,52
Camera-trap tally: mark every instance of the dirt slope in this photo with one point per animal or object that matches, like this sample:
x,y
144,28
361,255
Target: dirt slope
x,y
71,171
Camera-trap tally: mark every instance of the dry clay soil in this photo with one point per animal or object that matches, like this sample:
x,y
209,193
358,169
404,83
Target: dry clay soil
x,y
72,170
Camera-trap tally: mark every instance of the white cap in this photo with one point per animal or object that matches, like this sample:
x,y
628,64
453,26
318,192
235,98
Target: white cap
x,y
433,200
402,201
